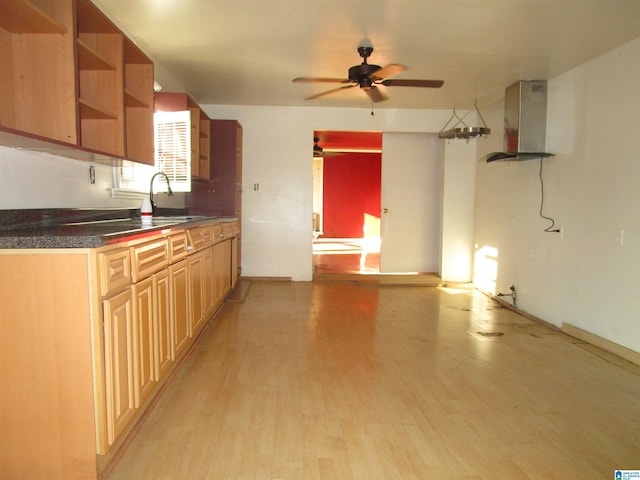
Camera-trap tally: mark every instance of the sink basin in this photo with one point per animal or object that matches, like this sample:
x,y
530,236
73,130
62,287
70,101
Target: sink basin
x,y
177,219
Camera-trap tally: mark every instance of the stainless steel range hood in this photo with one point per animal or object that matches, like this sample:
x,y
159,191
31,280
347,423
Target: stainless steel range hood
x,y
525,122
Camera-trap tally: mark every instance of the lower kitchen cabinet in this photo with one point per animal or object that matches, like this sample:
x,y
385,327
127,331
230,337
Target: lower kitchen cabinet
x,y
146,328
222,267
162,339
119,363
180,320
196,294
234,261
88,336
47,338
208,282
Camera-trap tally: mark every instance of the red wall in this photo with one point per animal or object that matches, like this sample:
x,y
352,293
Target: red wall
x,y
351,189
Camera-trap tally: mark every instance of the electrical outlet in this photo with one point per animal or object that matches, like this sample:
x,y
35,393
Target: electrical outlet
x,y
619,236
561,232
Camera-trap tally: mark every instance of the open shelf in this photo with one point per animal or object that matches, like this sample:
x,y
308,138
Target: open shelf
x,y
36,41
73,77
22,16
138,100
101,83
89,111
90,59
132,101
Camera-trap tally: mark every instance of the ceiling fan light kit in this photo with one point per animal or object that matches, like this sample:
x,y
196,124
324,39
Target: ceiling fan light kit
x,y
368,76
453,130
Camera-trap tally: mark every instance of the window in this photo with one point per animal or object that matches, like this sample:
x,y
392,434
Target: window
x,y
172,147
131,180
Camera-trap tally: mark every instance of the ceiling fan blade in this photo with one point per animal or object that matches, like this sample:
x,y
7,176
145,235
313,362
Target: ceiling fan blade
x,y
320,80
375,94
389,71
413,83
322,94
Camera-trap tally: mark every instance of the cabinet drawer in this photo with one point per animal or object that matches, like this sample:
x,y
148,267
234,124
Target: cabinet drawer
x,y
149,258
115,270
178,247
217,233
200,237
227,230
207,235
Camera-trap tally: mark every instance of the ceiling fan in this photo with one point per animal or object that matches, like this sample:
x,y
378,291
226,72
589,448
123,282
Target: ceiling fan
x,y
318,151
368,76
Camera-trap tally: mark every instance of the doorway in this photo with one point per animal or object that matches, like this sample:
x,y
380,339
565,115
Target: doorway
x,y
346,202
389,225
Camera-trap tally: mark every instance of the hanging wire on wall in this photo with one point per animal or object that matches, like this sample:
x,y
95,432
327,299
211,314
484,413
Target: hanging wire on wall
x,y
550,228
457,128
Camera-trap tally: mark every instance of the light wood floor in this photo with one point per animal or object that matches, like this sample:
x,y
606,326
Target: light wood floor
x,y
349,255
338,381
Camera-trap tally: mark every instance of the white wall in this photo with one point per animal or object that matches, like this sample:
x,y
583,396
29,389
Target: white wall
x,y
277,155
457,204
591,188
39,180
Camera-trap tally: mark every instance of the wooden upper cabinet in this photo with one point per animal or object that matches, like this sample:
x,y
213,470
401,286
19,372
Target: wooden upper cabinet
x,y
70,75
222,194
19,16
138,95
37,77
101,81
204,133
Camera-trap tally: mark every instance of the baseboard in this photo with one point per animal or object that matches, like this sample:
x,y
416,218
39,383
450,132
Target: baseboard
x,y
267,279
600,342
509,306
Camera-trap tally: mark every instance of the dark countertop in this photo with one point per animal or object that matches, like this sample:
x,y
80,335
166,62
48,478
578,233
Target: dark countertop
x,y
85,228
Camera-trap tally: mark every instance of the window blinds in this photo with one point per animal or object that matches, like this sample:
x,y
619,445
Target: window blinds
x,y
173,148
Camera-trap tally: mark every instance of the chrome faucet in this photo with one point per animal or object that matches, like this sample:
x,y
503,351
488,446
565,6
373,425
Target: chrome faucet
x,y
169,191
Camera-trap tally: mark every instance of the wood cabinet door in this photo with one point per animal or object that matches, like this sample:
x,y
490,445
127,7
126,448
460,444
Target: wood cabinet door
x,y
226,269
120,364
195,292
144,353
234,261
208,282
222,266
218,265
180,320
164,352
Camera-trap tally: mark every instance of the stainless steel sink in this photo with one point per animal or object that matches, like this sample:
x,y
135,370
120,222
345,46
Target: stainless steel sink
x,y
177,219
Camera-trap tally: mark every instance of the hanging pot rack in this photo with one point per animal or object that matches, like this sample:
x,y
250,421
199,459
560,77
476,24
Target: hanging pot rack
x,y
457,128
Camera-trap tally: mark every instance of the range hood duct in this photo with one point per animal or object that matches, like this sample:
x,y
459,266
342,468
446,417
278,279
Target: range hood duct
x,y
525,122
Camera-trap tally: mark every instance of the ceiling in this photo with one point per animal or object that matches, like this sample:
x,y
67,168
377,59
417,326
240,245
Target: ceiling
x,y
246,52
